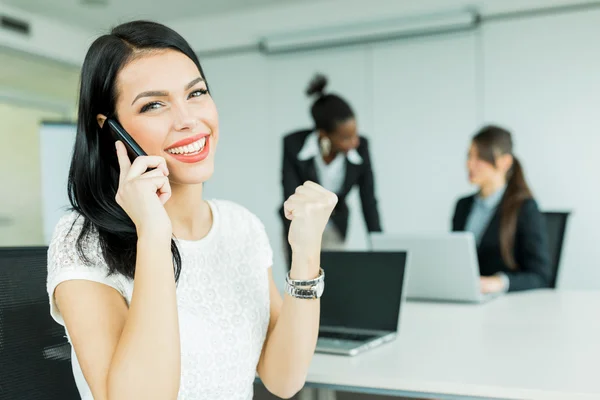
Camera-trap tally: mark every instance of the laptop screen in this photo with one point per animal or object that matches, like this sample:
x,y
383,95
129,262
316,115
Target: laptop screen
x,y
362,289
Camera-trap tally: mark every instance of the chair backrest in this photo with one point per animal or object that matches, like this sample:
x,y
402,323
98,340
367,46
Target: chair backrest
x,y
35,356
556,225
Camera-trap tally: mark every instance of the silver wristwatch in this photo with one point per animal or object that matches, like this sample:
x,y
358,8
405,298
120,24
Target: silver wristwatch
x,y
306,289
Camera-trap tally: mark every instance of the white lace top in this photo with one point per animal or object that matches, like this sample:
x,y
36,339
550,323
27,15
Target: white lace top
x,y
222,299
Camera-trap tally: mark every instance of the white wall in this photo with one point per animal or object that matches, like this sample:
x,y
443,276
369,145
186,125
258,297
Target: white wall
x,y
425,109
412,99
56,142
21,199
420,101
68,44
542,80
289,108
259,99
246,27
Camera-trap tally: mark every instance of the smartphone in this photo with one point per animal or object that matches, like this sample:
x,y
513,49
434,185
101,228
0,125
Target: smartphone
x,y
133,149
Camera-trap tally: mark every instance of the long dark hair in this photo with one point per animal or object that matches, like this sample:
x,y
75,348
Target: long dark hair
x,y
491,142
329,109
93,176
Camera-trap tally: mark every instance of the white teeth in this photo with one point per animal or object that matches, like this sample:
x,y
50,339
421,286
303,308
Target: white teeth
x,y
190,148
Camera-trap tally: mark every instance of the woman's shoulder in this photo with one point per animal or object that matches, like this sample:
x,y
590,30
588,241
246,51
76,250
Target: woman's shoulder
x,y
75,253
363,145
68,243
68,229
530,203
529,208
296,138
299,134
465,200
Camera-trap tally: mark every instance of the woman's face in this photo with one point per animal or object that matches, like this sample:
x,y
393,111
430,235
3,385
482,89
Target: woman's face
x,y
345,137
163,104
481,172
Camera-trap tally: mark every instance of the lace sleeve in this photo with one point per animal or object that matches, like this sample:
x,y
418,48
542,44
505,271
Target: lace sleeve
x,y
65,262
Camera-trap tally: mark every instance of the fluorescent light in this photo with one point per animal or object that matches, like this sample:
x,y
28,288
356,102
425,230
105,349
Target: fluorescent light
x,y
369,31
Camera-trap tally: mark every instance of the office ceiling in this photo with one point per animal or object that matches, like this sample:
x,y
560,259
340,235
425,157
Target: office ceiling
x,y
36,80
102,14
44,80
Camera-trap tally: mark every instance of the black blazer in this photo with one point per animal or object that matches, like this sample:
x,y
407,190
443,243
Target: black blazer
x,y
531,250
295,172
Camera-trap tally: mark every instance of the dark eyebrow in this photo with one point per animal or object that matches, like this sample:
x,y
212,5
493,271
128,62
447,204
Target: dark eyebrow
x,y
151,93
194,82
155,93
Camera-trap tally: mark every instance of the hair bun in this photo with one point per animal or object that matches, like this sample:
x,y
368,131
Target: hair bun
x,y
317,85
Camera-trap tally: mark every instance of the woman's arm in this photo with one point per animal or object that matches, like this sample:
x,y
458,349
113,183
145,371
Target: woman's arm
x,y
366,186
292,337
532,251
454,226
294,324
290,179
127,353
135,353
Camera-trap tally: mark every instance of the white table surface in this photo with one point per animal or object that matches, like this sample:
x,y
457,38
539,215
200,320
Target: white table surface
x,y
534,345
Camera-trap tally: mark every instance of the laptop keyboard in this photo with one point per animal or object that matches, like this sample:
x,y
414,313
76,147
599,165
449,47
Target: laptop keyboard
x,y
346,336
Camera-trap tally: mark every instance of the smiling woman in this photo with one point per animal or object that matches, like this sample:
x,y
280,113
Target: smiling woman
x,y
164,294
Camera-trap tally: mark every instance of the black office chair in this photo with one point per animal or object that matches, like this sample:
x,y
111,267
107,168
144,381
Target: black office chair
x,y
35,356
556,224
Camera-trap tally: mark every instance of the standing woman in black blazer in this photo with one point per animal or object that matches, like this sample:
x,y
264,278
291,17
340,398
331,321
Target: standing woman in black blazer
x,y
333,155
510,231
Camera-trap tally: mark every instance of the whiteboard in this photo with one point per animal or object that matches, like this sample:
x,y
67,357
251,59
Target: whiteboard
x,y
56,147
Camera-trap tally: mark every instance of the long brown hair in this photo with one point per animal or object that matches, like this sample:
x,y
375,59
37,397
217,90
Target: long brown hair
x,y
491,142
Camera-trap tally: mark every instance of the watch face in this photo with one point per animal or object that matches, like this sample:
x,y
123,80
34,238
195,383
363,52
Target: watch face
x,y
320,289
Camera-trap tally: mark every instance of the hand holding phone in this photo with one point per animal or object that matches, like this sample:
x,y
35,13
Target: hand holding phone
x,y
119,133
143,184
142,193
133,149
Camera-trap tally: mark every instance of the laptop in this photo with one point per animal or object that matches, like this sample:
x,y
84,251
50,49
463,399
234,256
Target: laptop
x,y
443,267
360,308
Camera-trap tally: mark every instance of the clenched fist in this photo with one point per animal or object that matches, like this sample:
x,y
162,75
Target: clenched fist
x,y
309,209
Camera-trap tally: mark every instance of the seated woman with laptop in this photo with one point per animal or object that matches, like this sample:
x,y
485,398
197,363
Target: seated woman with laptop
x,y
510,231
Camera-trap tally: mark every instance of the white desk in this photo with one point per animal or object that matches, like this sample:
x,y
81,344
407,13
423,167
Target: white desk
x,y
535,345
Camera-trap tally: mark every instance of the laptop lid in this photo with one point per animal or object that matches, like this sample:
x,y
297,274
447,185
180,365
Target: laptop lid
x,y
443,266
363,290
